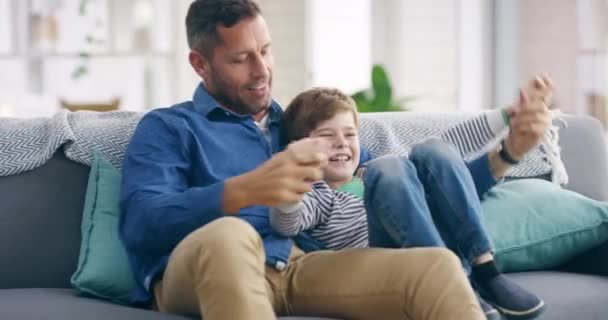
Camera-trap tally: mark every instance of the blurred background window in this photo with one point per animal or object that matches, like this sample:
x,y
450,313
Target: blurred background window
x,y
443,55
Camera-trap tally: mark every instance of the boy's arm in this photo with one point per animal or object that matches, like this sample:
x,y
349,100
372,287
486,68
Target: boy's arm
x,y
291,219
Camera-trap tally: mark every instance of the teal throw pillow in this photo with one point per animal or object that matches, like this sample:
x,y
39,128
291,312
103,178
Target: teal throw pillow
x,y
103,267
535,224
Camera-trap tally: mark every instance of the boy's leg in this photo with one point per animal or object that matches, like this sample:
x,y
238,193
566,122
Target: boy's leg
x,y
376,283
218,272
397,211
454,203
456,210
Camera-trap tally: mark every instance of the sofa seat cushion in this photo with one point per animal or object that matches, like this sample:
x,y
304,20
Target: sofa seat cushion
x,y
568,295
68,304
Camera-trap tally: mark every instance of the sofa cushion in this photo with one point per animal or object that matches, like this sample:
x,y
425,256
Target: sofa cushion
x,y
568,295
588,301
537,225
103,266
68,304
40,214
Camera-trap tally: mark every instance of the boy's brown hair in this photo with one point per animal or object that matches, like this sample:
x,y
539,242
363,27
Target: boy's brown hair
x,y
311,107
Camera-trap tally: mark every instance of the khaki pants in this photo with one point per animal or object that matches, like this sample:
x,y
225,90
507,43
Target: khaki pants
x,y
218,271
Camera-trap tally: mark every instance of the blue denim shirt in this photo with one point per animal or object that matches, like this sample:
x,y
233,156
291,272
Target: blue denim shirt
x,y
173,180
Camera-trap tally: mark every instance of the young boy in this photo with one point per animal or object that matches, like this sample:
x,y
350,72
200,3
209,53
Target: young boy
x,y
429,199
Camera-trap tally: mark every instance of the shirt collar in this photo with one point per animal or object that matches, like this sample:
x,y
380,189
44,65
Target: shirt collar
x,y
204,104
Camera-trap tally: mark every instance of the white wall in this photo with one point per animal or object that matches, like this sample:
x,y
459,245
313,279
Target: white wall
x,y
506,52
340,43
549,43
475,62
287,23
417,41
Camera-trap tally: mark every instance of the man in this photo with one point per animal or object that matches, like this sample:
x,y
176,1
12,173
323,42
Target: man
x,y
192,168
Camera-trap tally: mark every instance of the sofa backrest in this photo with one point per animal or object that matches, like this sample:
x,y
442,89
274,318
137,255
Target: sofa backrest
x,y
40,210
40,215
585,156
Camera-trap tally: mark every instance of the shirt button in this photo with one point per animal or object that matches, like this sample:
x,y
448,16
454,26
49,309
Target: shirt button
x,y
280,265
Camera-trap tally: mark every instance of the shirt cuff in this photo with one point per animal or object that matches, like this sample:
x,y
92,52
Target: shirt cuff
x,y
482,174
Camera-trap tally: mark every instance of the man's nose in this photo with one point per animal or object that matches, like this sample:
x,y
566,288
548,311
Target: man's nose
x,y
260,67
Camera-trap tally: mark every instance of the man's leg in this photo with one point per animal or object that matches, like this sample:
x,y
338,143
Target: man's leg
x,y
456,210
218,272
376,283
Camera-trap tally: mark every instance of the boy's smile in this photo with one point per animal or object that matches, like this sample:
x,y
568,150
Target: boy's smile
x,y
342,138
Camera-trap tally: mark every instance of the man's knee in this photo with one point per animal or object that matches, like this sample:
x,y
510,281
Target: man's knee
x,y
445,258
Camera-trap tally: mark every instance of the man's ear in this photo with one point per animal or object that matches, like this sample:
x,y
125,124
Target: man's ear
x,y
199,63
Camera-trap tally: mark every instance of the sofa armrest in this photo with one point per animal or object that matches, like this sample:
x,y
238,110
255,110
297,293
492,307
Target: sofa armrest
x,y
585,156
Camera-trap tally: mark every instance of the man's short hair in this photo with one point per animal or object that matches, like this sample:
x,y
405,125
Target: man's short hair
x,y
205,15
312,107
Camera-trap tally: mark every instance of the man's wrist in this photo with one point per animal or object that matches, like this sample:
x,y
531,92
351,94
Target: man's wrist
x,y
505,155
234,196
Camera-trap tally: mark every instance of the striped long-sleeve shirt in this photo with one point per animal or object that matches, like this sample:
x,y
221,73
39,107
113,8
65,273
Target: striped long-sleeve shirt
x,y
338,219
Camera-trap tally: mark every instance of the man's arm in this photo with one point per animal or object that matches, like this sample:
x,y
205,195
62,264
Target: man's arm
x,y
474,134
160,209
528,121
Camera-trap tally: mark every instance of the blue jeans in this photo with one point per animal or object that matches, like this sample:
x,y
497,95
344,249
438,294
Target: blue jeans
x,y
428,200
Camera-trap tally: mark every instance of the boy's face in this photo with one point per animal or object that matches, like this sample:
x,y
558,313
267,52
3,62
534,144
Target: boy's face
x,y
342,137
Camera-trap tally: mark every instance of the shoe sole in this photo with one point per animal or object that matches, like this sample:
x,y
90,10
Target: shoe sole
x,y
522,315
493,315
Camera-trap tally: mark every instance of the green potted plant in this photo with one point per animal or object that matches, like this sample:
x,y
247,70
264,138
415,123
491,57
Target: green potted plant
x,y
379,98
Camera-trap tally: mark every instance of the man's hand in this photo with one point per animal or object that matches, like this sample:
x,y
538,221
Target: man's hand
x,y
281,180
530,118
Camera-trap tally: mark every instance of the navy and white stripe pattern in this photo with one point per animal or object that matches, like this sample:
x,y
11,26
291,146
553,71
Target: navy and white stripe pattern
x,y
336,219
26,144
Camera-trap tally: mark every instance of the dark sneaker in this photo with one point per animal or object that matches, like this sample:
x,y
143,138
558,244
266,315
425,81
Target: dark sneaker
x,y
490,312
513,301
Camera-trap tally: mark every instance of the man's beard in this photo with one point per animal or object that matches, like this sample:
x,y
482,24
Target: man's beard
x,y
236,103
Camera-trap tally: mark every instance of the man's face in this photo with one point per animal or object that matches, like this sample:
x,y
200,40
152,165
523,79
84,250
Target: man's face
x,y
239,73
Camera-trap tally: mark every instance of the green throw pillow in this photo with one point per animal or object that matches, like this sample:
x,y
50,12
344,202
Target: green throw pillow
x,y
535,224
103,267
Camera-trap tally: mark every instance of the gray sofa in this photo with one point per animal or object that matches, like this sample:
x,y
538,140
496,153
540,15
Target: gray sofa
x,y
40,215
